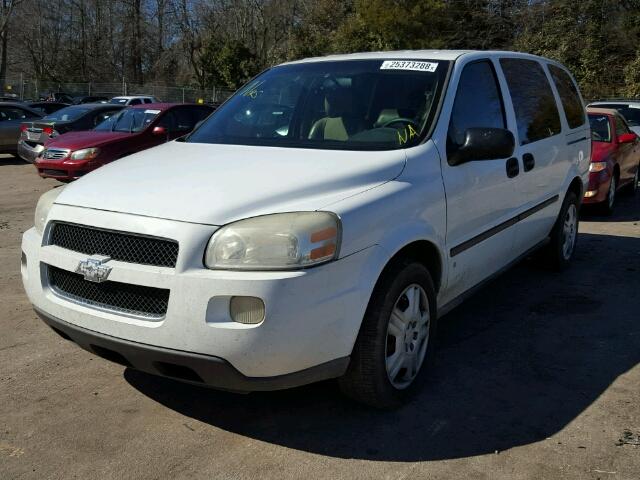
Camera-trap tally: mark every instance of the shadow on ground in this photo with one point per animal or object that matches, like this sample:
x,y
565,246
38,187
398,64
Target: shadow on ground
x,y
516,363
8,159
627,209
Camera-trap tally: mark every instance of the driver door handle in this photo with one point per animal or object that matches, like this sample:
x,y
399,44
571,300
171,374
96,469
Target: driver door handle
x,y
513,169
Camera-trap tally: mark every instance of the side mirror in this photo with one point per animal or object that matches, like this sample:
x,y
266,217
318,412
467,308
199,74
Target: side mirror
x,y
627,137
160,131
484,144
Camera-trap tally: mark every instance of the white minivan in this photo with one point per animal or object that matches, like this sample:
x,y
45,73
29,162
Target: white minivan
x,y
318,223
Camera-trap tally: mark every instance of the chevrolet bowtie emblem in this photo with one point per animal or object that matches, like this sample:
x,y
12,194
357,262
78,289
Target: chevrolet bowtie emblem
x,y
93,268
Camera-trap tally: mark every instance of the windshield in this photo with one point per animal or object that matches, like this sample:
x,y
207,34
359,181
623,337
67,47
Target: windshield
x,y
631,113
118,101
600,128
359,104
67,114
129,120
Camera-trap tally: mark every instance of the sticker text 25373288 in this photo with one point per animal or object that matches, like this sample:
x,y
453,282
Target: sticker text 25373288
x,y
409,65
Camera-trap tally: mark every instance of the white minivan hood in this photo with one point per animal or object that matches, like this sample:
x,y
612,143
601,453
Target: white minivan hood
x,y
217,184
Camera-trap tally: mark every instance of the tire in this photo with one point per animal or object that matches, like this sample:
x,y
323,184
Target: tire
x,y
609,204
564,235
378,350
633,188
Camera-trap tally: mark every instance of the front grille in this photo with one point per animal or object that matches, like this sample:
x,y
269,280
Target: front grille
x,y
121,246
54,154
118,297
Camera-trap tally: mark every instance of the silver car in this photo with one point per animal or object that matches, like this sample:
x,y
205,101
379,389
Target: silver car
x,y
12,115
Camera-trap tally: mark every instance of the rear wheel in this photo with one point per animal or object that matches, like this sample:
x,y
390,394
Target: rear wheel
x,y
633,188
395,345
564,235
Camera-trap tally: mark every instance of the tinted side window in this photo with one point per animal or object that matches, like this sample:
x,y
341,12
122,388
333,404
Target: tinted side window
x,y
569,97
535,107
478,103
14,113
184,119
168,121
135,101
621,127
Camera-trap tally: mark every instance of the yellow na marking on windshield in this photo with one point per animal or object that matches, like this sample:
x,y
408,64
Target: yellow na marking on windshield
x,y
252,90
409,133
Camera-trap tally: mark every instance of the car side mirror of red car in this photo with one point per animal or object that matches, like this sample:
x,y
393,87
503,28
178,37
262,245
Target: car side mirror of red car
x,y
627,137
160,131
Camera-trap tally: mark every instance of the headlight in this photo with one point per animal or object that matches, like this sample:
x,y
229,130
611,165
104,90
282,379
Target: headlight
x,y
282,241
597,166
44,205
85,154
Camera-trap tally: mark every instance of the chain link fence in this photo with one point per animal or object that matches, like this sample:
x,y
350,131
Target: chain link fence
x,y
21,88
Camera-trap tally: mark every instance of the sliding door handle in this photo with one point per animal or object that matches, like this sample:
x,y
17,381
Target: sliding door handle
x,y
528,162
513,169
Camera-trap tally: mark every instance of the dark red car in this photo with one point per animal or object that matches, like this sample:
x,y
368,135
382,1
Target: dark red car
x,y
615,158
135,128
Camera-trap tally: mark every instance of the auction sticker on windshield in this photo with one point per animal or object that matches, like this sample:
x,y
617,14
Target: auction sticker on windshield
x,y
408,65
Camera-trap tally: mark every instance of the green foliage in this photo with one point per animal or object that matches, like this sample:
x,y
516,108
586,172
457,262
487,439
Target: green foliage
x,y
391,25
228,63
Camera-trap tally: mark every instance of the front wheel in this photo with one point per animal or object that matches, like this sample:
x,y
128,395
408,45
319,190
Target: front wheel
x,y
396,342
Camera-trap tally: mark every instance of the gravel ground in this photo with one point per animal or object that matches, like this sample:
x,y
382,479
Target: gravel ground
x,y
538,377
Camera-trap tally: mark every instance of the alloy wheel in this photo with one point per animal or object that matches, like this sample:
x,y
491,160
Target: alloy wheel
x,y
407,336
570,231
611,196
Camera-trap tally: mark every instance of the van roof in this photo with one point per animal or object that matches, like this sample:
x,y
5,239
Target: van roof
x,y
416,55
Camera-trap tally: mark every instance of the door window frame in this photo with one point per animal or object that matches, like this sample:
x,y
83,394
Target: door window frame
x,y
499,87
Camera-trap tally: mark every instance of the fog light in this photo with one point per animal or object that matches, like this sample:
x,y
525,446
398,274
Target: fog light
x,y
247,310
590,193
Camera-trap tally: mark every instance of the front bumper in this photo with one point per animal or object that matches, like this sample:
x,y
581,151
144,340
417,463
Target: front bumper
x,y
186,366
27,152
63,169
312,316
598,187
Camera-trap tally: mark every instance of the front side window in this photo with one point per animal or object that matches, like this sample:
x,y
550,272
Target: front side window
x,y
67,114
359,104
535,107
600,128
478,104
569,97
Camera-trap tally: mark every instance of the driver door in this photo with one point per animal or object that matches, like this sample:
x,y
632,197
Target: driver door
x,y
481,198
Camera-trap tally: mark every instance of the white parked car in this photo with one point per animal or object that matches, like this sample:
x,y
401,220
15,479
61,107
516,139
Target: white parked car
x,y
133,100
319,223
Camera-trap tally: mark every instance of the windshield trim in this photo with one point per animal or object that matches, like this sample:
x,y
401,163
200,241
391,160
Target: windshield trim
x,y
425,135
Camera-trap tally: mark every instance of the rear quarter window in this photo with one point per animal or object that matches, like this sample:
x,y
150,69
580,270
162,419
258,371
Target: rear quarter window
x,y
535,107
573,109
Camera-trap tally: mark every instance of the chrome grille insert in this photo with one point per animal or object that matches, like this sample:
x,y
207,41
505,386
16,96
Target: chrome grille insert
x,y
54,154
121,246
136,300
